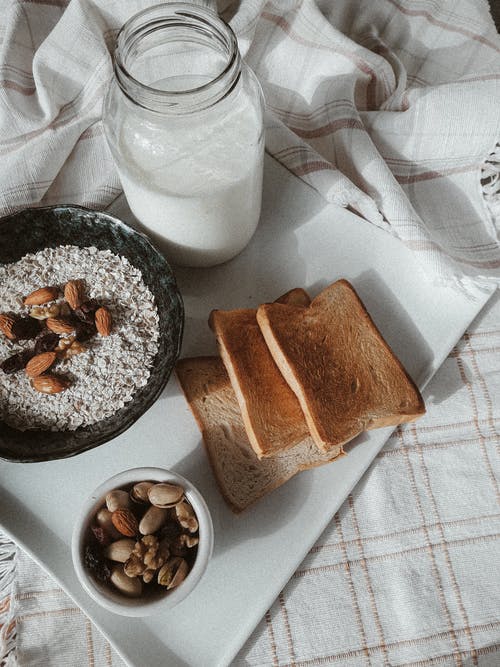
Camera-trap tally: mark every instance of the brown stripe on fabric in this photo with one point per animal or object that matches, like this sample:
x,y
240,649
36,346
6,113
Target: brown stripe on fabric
x,y
428,547
472,353
38,594
290,150
60,120
439,445
381,558
9,630
95,130
350,583
406,531
13,85
72,611
90,643
288,630
329,128
323,660
272,641
300,151
108,656
366,572
449,565
282,23
53,3
484,387
373,602
484,77
302,115
442,24
481,437
311,167
19,187
449,427
429,175
444,658
483,334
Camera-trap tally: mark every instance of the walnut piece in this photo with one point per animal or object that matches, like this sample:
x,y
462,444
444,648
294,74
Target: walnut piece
x,y
147,557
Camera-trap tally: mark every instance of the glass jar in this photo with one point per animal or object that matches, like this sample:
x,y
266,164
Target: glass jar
x,y
184,121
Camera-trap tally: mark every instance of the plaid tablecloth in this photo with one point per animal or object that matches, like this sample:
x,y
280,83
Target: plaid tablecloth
x,y
389,107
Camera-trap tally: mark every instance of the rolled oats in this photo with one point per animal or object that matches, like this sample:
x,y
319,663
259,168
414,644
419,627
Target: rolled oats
x,y
112,368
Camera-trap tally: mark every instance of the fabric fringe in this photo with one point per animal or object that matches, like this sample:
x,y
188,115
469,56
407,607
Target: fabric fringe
x,y
490,184
8,552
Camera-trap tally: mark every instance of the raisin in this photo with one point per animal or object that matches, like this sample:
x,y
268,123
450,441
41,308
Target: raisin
x,y
12,364
84,331
17,361
94,561
100,535
46,343
86,311
26,327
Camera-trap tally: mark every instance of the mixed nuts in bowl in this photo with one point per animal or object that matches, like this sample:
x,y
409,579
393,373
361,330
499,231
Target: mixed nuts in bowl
x,y
142,541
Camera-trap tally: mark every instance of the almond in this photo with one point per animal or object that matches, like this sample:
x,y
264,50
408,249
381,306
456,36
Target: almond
x,y
41,296
6,325
125,522
40,363
49,384
73,293
103,321
59,325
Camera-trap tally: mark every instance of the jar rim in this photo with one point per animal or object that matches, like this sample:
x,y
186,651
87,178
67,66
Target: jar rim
x,y
167,16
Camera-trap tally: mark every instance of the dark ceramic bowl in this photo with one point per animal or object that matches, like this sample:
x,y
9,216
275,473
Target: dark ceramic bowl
x,y
33,230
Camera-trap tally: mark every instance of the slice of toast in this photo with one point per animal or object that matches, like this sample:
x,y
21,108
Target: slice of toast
x,y
241,477
271,413
344,374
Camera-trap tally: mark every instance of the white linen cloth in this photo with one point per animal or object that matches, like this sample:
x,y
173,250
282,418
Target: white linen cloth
x,y
389,107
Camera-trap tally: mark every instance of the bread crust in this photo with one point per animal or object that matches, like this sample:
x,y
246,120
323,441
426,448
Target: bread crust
x,y
271,412
241,477
343,372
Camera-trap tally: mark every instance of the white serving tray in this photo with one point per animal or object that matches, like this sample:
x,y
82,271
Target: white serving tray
x,y
300,242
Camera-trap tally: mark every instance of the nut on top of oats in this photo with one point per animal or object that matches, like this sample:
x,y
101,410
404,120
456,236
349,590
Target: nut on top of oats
x,y
103,321
40,296
99,374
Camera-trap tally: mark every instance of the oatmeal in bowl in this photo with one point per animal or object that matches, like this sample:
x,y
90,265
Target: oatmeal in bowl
x,y
90,328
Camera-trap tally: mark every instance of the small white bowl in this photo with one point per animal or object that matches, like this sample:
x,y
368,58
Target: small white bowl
x,y
103,593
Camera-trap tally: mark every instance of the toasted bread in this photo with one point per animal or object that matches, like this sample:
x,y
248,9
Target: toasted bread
x,y
271,412
241,477
344,374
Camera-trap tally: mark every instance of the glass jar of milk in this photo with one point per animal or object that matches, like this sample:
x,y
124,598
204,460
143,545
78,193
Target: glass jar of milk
x,y
183,119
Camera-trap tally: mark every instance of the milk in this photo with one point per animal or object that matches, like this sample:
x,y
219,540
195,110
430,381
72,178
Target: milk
x,y
194,182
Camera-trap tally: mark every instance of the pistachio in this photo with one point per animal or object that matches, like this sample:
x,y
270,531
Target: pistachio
x,y
173,572
130,586
139,492
103,519
116,499
165,495
152,520
186,516
120,550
